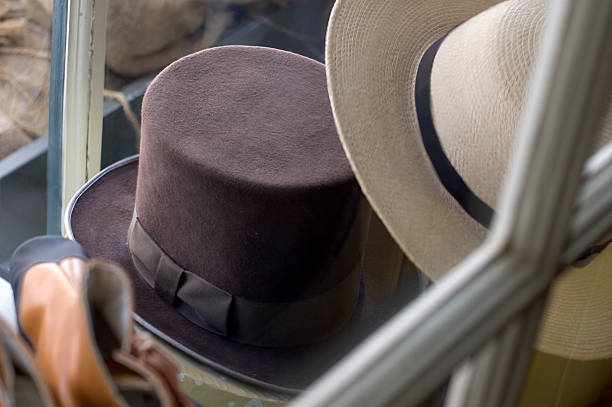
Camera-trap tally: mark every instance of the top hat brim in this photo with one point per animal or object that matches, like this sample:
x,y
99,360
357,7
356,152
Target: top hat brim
x,y
99,216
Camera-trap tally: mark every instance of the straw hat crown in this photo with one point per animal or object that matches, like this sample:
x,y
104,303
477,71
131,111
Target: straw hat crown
x,y
478,83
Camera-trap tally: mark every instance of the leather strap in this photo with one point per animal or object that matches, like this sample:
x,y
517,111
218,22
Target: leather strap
x,y
294,323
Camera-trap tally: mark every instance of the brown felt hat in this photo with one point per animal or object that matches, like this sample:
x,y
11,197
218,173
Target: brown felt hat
x,y
241,223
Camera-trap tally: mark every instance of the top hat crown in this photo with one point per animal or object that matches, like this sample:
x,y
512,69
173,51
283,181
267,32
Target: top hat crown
x,y
242,177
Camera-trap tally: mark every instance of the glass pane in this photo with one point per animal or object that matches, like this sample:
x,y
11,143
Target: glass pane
x,y
25,44
141,45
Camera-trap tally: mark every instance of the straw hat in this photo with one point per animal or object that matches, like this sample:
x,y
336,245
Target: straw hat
x,y
475,94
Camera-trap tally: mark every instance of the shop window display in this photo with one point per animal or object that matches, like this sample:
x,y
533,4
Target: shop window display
x,y
243,284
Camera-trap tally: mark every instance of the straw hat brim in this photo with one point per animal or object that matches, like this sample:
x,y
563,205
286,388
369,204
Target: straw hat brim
x,y
373,50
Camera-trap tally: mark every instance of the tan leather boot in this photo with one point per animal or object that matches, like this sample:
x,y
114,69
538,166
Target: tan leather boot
x,y
77,314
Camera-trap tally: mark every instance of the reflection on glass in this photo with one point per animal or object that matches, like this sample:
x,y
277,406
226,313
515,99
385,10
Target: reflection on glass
x,y
25,43
25,39
145,36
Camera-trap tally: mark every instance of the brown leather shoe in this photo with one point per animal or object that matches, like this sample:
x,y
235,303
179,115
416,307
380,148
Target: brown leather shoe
x,y
77,314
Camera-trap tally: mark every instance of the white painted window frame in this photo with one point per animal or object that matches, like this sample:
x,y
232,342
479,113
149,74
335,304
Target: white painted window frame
x,y
83,94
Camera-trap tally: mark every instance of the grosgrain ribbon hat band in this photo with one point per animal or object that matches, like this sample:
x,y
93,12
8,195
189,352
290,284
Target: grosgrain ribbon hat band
x,y
446,172
268,324
448,175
